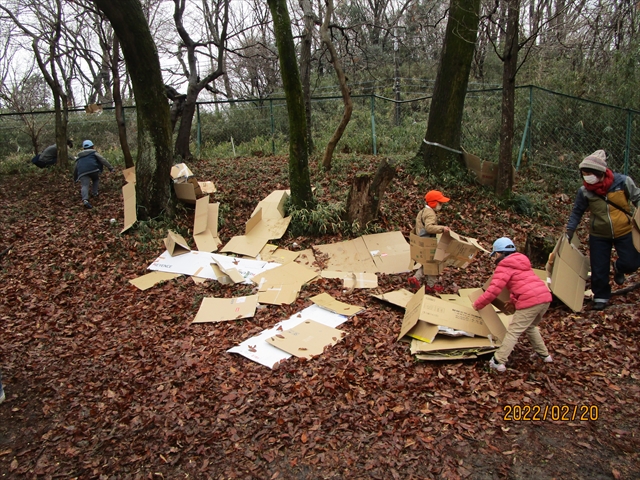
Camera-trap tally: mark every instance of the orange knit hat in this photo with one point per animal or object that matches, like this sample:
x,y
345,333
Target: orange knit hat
x,y
433,197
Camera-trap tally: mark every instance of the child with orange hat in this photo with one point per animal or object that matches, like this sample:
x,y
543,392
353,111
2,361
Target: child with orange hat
x,y
427,226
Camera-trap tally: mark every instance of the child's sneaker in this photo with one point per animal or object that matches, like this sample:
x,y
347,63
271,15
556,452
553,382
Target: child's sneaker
x,y
547,359
497,366
87,204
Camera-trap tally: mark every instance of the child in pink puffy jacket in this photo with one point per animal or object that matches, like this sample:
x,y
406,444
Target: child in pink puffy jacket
x,y
529,294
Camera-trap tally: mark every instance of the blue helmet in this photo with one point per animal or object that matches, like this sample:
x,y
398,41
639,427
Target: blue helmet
x,y
503,244
87,144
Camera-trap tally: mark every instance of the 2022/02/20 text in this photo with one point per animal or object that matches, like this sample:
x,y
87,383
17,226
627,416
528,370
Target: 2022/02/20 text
x,y
541,413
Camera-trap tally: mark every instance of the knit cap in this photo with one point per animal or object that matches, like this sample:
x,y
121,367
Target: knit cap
x,y
596,161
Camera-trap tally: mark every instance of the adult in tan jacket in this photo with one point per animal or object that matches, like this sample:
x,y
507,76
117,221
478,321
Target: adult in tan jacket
x,y
427,226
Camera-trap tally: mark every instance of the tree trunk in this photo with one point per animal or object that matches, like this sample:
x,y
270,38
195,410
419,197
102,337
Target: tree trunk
x,y
186,112
153,165
305,64
119,110
365,195
344,89
299,179
450,89
504,182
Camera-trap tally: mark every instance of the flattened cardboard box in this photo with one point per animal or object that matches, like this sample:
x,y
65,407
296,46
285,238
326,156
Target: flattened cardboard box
x,y
390,252
398,297
424,313
569,272
288,274
326,301
205,225
457,250
307,339
442,344
221,309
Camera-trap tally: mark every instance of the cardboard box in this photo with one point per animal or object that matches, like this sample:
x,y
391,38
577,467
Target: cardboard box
x,y
424,314
453,348
266,223
569,270
422,249
205,225
486,173
176,244
185,185
457,250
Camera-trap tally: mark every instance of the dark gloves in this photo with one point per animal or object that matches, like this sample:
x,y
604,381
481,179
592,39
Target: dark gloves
x,y
570,234
111,169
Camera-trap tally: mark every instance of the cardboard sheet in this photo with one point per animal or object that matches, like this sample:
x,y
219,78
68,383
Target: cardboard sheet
x,y
279,294
569,270
129,175
443,343
130,208
325,300
351,279
290,273
205,225
306,339
486,173
246,267
457,250
259,350
191,263
221,309
176,244
348,256
308,259
424,313
422,249
390,252
397,297
150,279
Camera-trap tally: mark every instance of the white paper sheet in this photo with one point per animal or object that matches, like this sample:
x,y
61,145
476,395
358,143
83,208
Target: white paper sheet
x,y
257,349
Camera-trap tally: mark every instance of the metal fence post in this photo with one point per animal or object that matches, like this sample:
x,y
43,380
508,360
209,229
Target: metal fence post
x,y
525,133
199,130
273,128
373,124
627,145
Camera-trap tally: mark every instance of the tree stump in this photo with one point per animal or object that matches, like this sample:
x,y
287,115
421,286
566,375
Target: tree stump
x,y
538,247
365,195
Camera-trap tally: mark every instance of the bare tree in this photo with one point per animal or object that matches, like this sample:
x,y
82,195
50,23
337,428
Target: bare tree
x,y
42,23
344,88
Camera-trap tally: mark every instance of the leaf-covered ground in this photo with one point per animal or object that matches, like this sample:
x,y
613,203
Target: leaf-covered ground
x,y
106,381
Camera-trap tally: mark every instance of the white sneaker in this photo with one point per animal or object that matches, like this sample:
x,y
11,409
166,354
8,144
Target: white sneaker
x,y
547,359
2,397
497,366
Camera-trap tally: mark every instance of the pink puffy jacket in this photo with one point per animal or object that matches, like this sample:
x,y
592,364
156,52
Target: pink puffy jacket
x,y
515,273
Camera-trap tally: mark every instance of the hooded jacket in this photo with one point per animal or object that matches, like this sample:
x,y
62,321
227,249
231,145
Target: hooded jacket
x,y
606,220
525,287
89,161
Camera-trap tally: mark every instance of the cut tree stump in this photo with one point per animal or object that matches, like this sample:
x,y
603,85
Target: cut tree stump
x,y
365,195
538,247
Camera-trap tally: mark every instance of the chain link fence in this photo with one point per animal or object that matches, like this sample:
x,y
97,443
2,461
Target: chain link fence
x,y
553,131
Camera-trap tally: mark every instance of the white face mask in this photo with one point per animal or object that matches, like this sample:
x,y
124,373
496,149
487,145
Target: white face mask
x,y
591,179
438,207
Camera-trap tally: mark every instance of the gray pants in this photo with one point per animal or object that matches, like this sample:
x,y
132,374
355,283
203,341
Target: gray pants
x,y
84,185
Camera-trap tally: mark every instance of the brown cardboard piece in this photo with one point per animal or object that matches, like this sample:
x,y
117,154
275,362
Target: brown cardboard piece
x,y
351,279
347,256
150,279
271,253
130,209
390,252
327,302
308,259
569,270
424,314
279,294
307,339
457,250
497,325
486,173
205,225
221,309
266,223
176,244
452,348
185,185
398,297
422,248
288,274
